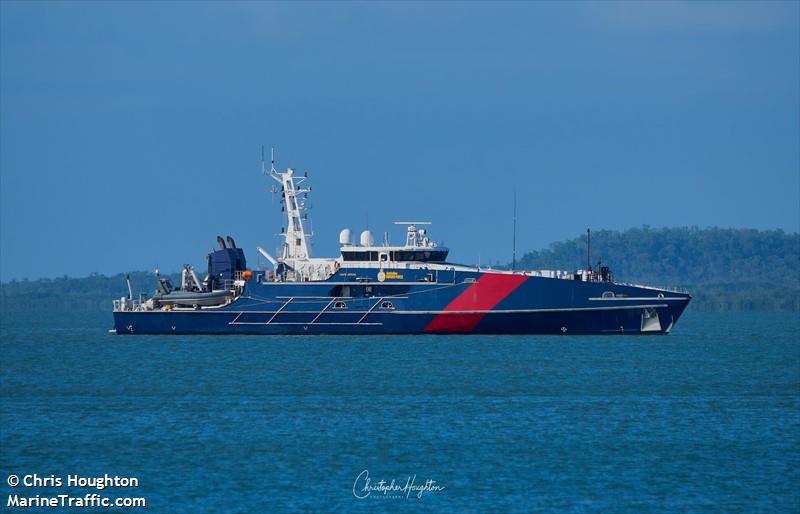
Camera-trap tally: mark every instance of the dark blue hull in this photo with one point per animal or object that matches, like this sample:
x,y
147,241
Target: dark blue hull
x,y
420,302
618,321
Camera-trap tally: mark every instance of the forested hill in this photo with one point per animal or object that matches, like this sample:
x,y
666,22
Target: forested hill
x,y
94,292
723,268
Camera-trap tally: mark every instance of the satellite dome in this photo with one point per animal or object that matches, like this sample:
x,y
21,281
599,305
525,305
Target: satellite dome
x,y
367,239
345,237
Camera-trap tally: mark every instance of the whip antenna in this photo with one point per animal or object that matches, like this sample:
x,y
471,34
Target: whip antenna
x,y
514,240
588,249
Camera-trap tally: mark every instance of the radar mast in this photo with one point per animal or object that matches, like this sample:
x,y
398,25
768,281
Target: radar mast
x,y
296,244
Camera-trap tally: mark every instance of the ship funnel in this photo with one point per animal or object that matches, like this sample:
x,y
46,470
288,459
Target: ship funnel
x,y
231,242
221,242
345,237
367,239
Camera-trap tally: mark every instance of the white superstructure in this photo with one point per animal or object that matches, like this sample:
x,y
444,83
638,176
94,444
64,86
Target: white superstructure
x,y
295,262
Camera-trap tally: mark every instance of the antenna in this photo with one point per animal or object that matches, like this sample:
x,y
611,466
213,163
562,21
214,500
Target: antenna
x,y
588,249
128,280
272,156
514,243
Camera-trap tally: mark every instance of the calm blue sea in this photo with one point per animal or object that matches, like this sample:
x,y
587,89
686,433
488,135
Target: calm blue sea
x,y
705,419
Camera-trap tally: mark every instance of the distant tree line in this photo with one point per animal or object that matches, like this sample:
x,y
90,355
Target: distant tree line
x,y
94,292
724,269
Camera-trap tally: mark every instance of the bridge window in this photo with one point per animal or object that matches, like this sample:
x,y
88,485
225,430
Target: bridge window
x,y
398,255
360,256
419,255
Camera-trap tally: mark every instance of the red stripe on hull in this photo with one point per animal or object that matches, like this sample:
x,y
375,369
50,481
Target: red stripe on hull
x,y
489,290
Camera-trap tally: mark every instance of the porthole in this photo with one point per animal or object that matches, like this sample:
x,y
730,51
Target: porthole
x,y
387,305
339,305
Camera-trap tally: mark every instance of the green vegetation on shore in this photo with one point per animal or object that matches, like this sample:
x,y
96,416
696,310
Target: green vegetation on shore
x,y
94,292
724,269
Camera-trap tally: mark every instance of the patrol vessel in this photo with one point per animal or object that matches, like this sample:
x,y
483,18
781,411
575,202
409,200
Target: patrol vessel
x,y
384,289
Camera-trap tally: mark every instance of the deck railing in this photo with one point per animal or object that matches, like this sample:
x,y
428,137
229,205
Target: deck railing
x,y
128,305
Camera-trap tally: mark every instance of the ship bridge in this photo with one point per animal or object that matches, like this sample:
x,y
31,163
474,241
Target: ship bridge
x,y
418,248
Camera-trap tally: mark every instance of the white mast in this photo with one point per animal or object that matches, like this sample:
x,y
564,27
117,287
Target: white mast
x,y
295,240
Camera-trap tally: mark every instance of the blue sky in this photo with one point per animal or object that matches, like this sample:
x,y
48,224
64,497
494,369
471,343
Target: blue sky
x,y
130,133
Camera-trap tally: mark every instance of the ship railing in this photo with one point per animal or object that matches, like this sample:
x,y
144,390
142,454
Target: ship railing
x,y
671,289
128,305
298,276
226,285
675,289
